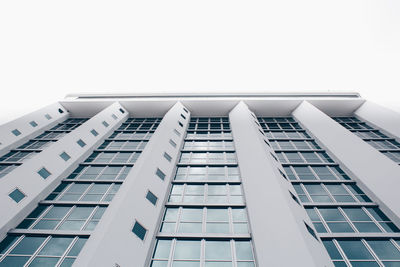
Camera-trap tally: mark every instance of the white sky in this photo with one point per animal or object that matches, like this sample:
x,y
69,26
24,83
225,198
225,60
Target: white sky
x,y
51,48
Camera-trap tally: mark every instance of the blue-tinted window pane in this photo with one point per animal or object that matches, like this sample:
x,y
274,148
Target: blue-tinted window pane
x,y
355,249
28,245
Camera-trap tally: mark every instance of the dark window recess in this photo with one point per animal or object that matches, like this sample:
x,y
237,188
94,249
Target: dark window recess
x,y
151,197
139,230
81,143
60,110
122,111
94,132
44,173
16,195
33,123
160,174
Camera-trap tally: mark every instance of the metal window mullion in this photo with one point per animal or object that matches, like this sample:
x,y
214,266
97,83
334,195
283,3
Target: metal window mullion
x,y
89,218
107,192
7,252
341,252
329,193
64,255
322,219
86,191
306,193
62,193
374,220
33,256
40,216
64,218
376,258
351,193
348,219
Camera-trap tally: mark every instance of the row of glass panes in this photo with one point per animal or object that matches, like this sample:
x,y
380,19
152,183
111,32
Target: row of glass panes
x,y
208,158
207,173
123,145
395,156
63,217
6,169
138,127
208,145
286,135
304,157
206,194
221,220
278,145
113,157
280,126
84,192
383,144
328,193
32,144
209,120
100,172
315,173
131,135
147,120
373,134
208,126
208,135
50,136
46,250
203,253
364,252
350,220
17,156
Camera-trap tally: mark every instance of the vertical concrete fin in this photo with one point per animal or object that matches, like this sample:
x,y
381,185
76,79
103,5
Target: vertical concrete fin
x,y
35,187
276,220
130,203
371,169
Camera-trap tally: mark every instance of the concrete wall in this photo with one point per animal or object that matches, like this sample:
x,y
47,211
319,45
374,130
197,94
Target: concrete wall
x,y
130,205
9,141
376,174
35,188
277,222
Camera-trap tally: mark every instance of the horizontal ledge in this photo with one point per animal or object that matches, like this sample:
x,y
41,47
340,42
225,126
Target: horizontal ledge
x,y
358,235
203,236
206,182
322,181
50,232
329,204
198,205
93,181
106,164
79,203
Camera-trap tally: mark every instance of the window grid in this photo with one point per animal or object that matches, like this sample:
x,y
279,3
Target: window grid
x,y
381,252
334,203
374,137
207,183
78,203
27,249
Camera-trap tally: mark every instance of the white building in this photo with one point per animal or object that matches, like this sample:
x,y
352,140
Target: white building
x,y
201,180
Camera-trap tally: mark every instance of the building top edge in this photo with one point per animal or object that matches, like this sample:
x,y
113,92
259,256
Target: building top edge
x,y
217,95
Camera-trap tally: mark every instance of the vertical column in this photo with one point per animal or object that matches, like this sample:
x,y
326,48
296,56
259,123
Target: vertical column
x,y
14,133
277,221
384,118
376,173
131,220
24,187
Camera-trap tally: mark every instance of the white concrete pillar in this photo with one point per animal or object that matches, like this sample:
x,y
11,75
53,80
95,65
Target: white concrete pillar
x,y
27,180
277,222
376,174
382,117
130,203
18,131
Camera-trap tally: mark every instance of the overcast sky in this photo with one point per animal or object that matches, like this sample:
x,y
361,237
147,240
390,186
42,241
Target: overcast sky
x,y
51,48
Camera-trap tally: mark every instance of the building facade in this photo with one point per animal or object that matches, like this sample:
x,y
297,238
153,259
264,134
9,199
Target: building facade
x,y
202,180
